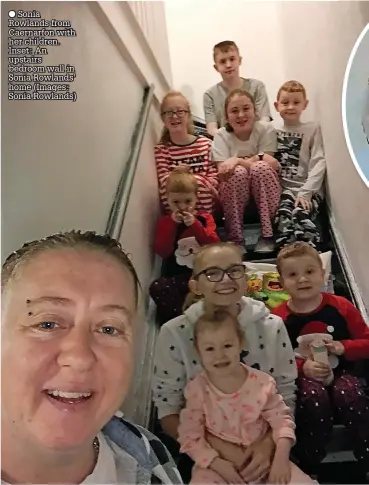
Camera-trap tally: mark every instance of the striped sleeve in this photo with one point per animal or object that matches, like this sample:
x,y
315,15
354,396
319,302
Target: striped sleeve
x,y
197,156
162,164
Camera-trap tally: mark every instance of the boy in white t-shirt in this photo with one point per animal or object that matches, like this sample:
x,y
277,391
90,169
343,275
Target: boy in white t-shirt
x,y
300,153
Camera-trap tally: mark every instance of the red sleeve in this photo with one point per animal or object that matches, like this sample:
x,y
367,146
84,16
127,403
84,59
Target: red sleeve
x,y
358,347
166,230
300,364
162,165
283,312
205,235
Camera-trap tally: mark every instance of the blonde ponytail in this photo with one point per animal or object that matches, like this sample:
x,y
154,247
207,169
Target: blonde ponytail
x,y
191,298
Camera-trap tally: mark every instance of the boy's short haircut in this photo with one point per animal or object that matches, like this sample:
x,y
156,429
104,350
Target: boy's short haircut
x,y
292,87
181,181
224,46
295,250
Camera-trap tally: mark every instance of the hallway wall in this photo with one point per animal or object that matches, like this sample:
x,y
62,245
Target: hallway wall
x,y
192,37
61,161
324,64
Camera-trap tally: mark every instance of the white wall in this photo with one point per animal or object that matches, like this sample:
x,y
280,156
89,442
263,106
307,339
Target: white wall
x,y
61,160
195,27
307,41
151,18
324,58
137,239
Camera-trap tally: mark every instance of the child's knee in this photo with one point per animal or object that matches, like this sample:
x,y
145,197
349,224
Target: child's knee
x,y
241,173
238,180
348,394
260,167
311,393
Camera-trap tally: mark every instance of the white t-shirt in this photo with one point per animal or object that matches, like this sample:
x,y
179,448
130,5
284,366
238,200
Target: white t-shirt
x,y
263,138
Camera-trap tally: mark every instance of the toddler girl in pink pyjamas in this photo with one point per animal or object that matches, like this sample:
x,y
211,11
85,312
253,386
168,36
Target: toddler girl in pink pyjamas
x,y
235,403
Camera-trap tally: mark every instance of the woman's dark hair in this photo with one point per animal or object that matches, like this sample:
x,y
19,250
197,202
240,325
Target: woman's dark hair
x,y
68,240
231,95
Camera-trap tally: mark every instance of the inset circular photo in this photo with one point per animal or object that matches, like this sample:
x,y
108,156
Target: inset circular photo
x,y
355,105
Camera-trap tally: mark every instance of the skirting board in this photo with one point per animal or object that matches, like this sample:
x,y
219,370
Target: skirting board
x,y
346,266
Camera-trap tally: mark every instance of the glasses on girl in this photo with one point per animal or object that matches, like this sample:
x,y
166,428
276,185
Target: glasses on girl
x,y
214,275
179,113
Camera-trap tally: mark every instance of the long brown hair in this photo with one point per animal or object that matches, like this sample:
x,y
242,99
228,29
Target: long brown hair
x,y
231,95
165,135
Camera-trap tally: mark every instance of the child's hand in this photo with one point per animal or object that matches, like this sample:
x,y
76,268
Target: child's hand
x,y
226,169
246,162
335,347
280,472
305,204
316,370
188,218
226,470
177,217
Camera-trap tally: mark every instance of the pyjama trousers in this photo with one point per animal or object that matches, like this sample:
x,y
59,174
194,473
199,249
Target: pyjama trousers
x,y
261,182
294,223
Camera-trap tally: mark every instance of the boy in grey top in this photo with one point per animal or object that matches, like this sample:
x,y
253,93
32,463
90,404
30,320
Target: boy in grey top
x,y
301,156
227,61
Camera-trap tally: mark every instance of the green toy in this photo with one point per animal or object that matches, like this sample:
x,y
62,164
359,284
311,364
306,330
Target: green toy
x,y
266,287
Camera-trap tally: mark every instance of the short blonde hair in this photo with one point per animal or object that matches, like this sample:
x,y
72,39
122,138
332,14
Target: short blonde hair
x,y
181,180
165,136
297,249
224,47
292,87
214,321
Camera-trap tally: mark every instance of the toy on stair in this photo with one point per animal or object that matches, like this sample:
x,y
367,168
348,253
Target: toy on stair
x,y
266,287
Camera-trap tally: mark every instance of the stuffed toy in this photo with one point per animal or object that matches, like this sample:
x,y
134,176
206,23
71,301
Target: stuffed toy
x,y
187,248
266,287
273,290
305,350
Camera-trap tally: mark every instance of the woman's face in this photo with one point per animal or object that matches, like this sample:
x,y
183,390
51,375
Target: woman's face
x,y
175,114
241,114
228,291
67,343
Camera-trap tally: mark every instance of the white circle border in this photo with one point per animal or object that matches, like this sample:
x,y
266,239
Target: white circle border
x,y
344,92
